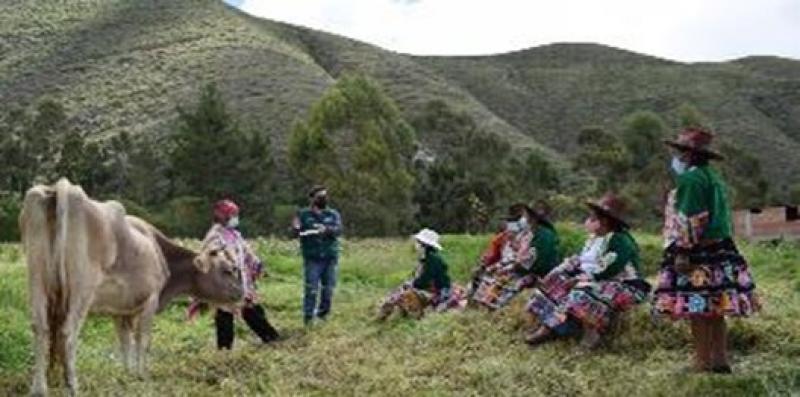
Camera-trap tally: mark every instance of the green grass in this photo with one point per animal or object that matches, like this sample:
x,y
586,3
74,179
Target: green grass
x,y
470,353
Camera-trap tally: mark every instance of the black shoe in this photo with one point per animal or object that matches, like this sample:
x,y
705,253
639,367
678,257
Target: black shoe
x,y
541,335
722,369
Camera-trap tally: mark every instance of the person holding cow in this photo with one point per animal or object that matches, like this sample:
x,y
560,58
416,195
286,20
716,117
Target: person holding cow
x,y
429,287
588,290
318,227
703,278
224,233
516,257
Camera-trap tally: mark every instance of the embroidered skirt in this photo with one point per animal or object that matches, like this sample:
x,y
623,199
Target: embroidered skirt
x,y
495,290
593,303
718,284
410,300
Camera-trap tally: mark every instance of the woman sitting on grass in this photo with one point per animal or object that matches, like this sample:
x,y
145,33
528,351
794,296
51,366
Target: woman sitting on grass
x,y
430,286
587,290
516,258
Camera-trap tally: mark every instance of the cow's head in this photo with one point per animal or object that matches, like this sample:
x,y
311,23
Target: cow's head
x,y
219,280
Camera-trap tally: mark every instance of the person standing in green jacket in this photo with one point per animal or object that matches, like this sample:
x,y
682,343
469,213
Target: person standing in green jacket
x,y
588,289
703,277
318,227
431,285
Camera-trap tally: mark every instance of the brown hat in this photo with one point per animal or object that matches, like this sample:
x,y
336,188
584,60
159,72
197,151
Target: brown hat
x,y
540,214
611,207
695,139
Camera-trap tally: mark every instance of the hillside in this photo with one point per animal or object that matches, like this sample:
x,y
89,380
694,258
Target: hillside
x,y
126,66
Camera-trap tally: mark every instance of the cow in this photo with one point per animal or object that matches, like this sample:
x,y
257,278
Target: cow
x,y
86,256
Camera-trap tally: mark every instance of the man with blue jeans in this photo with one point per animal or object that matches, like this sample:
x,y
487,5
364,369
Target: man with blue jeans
x,y
318,228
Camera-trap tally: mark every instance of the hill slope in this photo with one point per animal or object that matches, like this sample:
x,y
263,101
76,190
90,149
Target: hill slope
x,y
126,66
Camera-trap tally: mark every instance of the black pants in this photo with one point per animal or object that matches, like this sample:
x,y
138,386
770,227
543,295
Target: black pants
x,y
256,319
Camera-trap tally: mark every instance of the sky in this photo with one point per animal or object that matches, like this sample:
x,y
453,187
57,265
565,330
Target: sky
x,y
683,30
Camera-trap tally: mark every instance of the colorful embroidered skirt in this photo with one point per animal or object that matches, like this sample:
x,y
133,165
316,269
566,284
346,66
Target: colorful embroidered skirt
x,y
411,300
593,303
719,284
496,290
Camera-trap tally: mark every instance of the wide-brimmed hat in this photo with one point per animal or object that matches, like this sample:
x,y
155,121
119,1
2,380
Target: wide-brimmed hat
x,y
429,238
695,139
541,213
611,207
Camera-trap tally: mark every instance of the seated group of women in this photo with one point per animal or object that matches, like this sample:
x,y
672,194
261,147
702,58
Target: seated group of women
x,y
581,294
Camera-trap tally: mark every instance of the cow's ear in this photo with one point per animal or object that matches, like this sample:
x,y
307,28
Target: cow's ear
x,y
202,263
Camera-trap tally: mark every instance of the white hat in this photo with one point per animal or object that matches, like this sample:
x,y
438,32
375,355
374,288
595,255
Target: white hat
x,y
429,238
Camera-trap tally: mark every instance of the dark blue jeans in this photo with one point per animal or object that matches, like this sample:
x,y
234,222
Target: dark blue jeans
x,y
319,272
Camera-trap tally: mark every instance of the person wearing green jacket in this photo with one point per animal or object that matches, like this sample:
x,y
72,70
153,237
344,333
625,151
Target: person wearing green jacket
x,y
318,227
703,277
429,287
587,290
516,257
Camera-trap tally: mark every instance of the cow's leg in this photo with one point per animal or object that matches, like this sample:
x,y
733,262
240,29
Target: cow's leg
x,y
124,326
78,309
41,333
143,327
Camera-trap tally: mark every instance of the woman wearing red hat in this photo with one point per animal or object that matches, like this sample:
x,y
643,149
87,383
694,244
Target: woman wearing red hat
x,y
587,290
703,277
224,233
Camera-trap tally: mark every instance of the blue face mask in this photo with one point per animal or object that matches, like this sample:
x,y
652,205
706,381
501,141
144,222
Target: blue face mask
x,y
513,226
678,165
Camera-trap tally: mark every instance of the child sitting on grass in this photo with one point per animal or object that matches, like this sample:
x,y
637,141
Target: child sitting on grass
x,y
430,286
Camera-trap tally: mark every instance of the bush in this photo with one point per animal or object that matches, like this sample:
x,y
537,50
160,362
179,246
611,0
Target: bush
x,y
10,207
185,216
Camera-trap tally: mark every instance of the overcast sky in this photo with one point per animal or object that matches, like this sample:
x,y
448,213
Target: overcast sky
x,y
685,30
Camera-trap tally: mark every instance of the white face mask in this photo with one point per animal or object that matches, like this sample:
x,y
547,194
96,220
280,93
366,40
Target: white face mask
x,y
513,226
523,223
678,165
233,222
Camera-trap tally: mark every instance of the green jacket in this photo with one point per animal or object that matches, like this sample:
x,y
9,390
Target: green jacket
x,y
433,275
324,246
702,206
627,259
545,241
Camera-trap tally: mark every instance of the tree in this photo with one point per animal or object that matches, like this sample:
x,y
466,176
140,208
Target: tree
x,y
471,176
212,158
355,142
602,155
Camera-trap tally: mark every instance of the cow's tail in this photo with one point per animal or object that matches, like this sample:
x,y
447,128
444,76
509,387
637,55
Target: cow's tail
x,y
60,304
59,262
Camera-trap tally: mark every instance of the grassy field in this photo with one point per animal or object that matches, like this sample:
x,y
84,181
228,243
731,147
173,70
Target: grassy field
x,y
470,353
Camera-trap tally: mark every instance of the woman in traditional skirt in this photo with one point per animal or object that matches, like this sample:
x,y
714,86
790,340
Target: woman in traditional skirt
x,y
430,286
587,290
516,257
703,277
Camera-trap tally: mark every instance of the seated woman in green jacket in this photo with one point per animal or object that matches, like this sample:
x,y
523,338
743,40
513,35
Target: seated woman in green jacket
x,y
516,257
586,290
430,286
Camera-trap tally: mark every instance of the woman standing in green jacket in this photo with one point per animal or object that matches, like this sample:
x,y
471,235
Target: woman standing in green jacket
x,y
430,286
703,277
